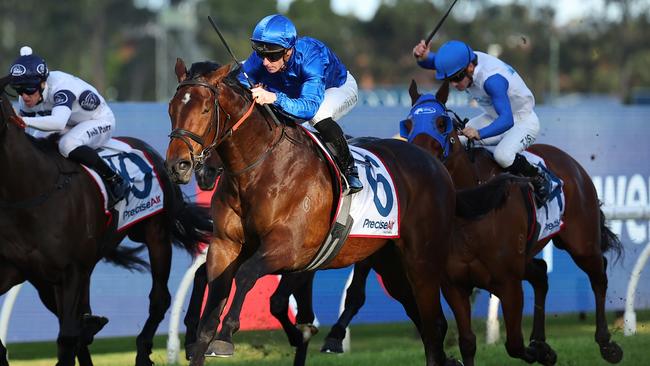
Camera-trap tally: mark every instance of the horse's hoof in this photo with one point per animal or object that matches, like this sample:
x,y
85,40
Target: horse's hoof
x,y
453,362
611,352
332,345
90,326
219,348
307,330
143,361
544,353
189,350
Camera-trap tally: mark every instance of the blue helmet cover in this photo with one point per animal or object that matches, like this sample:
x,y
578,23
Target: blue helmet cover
x,y
452,57
28,69
275,29
423,116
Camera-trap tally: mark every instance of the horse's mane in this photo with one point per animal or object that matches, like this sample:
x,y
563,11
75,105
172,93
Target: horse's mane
x,y
202,68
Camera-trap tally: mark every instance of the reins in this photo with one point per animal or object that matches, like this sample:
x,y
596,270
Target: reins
x,y
199,160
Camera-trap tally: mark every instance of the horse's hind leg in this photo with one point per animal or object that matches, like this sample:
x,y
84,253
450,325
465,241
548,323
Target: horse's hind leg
x,y
9,277
536,275
158,241
512,302
355,297
300,285
595,267
289,284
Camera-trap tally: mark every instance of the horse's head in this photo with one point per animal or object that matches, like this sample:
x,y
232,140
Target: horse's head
x,y
428,125
6,109
200,113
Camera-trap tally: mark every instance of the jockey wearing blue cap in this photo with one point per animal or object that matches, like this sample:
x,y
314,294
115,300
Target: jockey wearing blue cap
x,y
59,102
508,120
304,78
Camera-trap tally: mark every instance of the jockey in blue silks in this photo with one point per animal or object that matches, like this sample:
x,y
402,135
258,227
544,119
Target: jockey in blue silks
x,y
59,102
304,78
508,120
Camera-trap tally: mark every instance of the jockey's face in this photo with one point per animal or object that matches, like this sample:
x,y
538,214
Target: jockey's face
x,y
31,100
275,66
466,80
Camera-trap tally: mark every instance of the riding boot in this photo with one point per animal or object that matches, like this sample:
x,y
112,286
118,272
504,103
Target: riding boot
x,y
116,186
539,178
333,137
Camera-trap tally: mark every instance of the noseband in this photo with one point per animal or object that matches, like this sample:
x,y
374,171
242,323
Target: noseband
x,y
184,134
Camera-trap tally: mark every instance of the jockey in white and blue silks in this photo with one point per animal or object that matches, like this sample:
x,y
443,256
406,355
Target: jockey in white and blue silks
x,y
59,102
305,79
508,120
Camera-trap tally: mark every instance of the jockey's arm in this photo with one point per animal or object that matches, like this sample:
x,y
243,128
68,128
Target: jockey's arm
x,y
54,122
496,86
312,92
429,61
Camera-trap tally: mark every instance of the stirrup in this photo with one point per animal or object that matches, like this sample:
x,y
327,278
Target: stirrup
x,y
351,180
117,188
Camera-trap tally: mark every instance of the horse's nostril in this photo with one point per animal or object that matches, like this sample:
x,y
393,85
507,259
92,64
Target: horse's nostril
x,y
184,165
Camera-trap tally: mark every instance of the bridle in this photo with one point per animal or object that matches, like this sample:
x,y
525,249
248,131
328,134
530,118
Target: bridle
x,y
184,134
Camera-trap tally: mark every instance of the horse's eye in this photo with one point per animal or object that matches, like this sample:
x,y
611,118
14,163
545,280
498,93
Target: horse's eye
x,y
452,140
205,110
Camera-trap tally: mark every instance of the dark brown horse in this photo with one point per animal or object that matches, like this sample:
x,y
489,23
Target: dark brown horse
x,y
274,202
53,231
584,235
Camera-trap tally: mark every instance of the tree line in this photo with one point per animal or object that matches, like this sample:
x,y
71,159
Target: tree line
x,y
118,44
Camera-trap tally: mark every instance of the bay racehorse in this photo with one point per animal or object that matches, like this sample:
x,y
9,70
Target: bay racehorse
x,y
273,205
54,229
584,234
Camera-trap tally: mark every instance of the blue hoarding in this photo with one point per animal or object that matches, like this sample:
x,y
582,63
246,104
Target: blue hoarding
x,y
608,139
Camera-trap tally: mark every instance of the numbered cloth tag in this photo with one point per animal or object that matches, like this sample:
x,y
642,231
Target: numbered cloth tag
x,y
549,217
375,209
146,196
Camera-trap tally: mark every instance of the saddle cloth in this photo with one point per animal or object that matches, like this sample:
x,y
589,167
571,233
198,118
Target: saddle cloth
x,y
146,197
549,216
375,208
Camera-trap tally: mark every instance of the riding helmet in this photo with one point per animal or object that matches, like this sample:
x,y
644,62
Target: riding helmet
x,y
452,57
275,29
29,69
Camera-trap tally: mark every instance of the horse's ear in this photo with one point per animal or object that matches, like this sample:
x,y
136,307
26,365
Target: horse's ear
x,y
443,93
180,70
413,92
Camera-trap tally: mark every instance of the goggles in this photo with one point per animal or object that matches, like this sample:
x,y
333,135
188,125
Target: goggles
x,y
458,77
268,51
28,90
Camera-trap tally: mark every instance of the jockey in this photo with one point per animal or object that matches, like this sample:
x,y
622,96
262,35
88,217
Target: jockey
x,y
508,120
59,102
304,78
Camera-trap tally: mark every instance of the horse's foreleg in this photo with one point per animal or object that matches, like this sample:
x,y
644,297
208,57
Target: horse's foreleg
x,y
249,272
595,267
193,314
160,254
221,265
9,277
355,297
536,275
69,299
459,301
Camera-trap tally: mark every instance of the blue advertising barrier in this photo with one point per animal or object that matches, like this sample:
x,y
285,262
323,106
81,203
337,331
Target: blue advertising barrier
x,y
608,139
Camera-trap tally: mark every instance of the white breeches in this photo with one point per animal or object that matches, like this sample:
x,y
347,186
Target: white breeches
x,y
93,133
338,101
516,139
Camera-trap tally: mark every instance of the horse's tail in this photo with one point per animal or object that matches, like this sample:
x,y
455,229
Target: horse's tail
x,y
127,257
192,226
472,203
609,240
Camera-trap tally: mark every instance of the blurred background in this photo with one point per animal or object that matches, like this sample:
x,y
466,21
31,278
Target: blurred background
x,y
127,48
587,62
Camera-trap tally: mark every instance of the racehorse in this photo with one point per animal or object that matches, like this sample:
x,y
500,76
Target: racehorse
x,y
584,234
273,205
54,229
